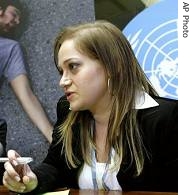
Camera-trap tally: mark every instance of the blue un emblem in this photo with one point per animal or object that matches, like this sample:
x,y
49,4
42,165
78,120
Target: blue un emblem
x,y
153,36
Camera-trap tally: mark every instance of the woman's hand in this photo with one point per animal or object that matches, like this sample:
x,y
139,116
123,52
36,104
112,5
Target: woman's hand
x,y
18,177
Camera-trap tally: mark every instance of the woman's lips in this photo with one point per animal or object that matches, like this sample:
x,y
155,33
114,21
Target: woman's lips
x,y
69,95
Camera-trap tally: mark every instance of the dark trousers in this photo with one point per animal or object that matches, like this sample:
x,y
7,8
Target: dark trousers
x,y
3,133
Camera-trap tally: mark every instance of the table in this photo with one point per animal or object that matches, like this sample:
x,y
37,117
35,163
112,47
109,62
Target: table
x,y
4,191
92,192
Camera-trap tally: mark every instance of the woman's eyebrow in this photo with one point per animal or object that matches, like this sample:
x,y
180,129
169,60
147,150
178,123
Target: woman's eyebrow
x,y
65,61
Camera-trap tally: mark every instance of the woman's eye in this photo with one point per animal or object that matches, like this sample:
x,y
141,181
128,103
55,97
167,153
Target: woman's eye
x,y
73,66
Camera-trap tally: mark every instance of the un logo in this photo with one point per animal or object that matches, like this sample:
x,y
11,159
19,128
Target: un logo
x,y
153,37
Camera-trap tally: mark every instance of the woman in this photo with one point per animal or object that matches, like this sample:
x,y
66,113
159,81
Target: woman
x,y
113,131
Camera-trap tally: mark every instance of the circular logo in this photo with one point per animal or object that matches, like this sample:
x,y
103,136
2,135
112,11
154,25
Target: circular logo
x,y
153,37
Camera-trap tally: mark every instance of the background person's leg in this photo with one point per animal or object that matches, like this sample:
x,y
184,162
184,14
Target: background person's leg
x,y
3,133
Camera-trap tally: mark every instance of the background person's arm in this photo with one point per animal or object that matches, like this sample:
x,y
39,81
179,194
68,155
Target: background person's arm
x,y
31,105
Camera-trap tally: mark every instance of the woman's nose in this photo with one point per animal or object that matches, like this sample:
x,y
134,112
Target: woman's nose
x,y
65,82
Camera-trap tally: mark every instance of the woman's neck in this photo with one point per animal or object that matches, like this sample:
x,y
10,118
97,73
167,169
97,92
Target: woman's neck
x,y
100,137
101,117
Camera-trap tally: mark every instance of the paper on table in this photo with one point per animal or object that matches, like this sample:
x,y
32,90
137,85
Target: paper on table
x,y
64,192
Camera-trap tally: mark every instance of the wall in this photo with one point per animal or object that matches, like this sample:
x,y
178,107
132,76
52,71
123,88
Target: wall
x,y
45,19
153,37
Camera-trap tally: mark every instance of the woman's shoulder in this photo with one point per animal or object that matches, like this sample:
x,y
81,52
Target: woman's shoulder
x,y
163,115
162,101
166,106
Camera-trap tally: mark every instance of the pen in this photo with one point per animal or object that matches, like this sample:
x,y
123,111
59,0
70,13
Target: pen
x,y
20,160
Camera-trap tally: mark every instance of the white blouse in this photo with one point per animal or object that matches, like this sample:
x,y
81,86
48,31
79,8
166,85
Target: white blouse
x,y
104,175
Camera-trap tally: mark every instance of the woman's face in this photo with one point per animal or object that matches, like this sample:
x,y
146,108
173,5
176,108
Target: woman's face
x,y
83,79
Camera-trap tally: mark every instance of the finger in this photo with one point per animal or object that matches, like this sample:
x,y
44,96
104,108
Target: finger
x,y
11,171
30,183
30,180
11,184
12,154
26,178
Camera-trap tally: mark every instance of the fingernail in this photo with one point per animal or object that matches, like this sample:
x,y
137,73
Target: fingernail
x,y
22,188
17,178
27,180
14,162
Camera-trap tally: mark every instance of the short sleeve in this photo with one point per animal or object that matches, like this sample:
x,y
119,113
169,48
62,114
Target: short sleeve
x,y
15,63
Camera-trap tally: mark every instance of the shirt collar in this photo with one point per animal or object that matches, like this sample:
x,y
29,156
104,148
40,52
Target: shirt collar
x,y
144,100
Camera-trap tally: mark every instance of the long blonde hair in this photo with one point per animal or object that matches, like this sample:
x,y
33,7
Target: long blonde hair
x,y
103,41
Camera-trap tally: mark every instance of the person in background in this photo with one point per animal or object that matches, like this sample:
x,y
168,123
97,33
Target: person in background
x,y
113,131
12,67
